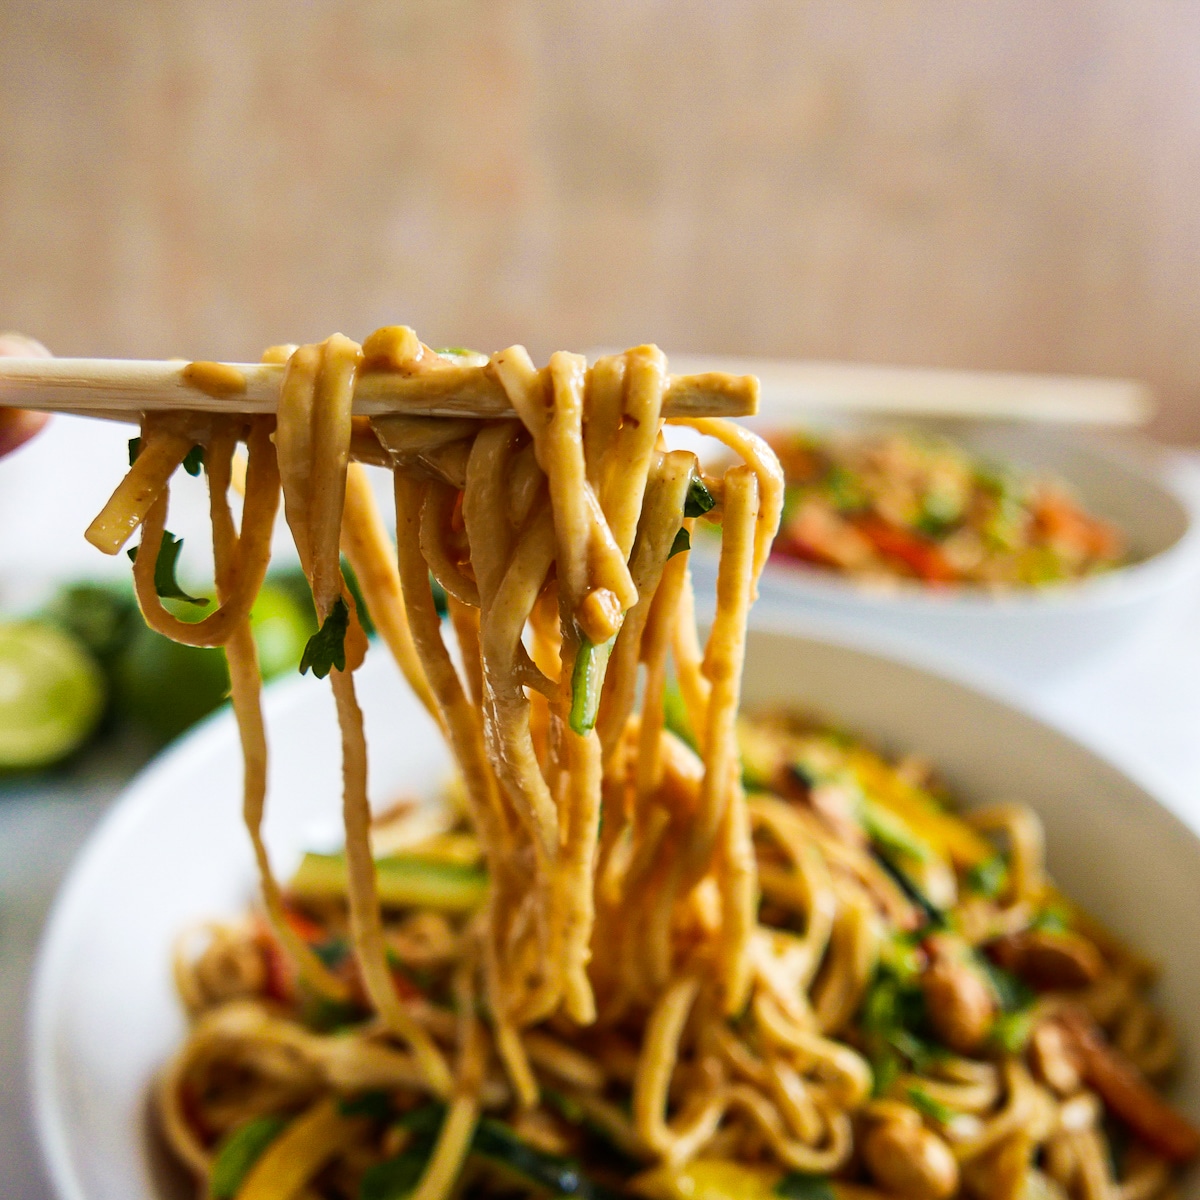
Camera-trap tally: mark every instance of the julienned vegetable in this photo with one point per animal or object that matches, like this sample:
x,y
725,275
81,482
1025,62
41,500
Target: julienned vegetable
x,y
239,1151
558,1176
586,682
405,881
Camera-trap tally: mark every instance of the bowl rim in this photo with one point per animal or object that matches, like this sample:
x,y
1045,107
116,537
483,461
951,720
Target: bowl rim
x,y
143,791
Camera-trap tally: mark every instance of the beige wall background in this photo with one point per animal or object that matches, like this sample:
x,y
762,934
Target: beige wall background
x,y
1000,183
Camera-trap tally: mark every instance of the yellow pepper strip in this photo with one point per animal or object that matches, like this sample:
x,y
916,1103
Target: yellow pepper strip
x,y
294,1157
952,838
724,1179
708,1179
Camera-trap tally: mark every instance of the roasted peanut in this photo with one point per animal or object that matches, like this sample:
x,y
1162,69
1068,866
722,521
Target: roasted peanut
x,y
1052,1059
1049,960
960,1004
910,1161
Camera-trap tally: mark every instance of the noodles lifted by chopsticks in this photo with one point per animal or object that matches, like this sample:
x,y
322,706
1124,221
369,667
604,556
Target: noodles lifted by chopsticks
x,y
610,944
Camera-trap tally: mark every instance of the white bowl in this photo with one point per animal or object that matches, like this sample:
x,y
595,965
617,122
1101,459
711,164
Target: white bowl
x,y
1029,635
104,1015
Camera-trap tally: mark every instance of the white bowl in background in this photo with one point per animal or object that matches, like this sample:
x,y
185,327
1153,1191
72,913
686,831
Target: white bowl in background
x,y
1029,635
173,851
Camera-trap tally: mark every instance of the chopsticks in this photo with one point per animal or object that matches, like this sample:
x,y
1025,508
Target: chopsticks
x,y
124,389
793,387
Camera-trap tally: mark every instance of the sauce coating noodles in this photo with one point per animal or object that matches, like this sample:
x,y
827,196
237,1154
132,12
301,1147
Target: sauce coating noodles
x,y
645,949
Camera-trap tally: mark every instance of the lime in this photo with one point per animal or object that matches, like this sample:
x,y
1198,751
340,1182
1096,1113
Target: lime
x,y
281,628
102,616
52,694
165,687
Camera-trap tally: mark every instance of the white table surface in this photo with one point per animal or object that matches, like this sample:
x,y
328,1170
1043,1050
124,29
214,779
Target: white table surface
x,y
1140,707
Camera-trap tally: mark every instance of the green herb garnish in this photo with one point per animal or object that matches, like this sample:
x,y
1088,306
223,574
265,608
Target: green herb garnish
x,y
165,583
699,499
682,542
440,603
1010,992
193,460
988,878
326,649
1010,1031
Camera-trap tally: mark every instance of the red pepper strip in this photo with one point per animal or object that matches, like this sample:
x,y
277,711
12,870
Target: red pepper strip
x,y
1127,1094
1064,521
919,555
280,973
305,927
406,989
280,983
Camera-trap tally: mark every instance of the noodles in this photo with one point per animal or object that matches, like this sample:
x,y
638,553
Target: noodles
x,y
621,963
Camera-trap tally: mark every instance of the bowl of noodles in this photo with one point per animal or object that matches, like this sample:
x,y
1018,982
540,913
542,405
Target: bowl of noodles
x,y
171,872
1032,550
592,918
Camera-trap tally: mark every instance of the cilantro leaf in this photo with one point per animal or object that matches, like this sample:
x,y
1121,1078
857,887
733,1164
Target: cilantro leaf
x,y
699,499
682,542
165,583
440,603
1012,993
192,461
326,649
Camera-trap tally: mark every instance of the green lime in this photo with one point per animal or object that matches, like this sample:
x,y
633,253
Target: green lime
x,y
165,687
102,616
52,694
281,627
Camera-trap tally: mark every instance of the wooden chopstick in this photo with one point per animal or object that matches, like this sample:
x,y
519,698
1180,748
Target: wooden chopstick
x,y
124,389
793,388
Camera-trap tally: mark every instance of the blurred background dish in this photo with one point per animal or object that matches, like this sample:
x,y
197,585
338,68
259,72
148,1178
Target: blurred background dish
x,y
1039,605
173,852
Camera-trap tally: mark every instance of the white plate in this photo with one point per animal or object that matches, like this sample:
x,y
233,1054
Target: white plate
x,y
1030,636
173,851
